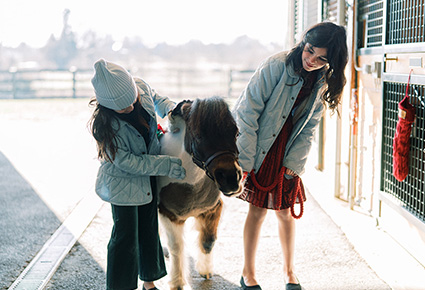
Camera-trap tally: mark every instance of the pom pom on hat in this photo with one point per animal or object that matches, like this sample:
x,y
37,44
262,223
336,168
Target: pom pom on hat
x,y
113,85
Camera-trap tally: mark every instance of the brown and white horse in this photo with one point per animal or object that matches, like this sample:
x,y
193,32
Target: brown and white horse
x,y
203,134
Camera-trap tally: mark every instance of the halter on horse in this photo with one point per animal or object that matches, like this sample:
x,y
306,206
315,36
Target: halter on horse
x,y
203,134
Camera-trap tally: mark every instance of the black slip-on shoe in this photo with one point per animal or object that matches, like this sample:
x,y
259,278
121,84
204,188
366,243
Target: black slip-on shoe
x,y
244,287
293,286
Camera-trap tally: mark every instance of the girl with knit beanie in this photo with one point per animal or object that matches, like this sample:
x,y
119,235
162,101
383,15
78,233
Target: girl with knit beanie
x,y
125,129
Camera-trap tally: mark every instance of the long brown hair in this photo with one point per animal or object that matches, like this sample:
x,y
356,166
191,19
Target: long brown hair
x,y
100,125
332,37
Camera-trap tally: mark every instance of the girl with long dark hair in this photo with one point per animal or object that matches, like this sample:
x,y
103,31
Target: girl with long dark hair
x,y
277,115
125,129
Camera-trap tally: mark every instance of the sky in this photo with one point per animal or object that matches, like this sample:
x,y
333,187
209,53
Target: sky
x,y
155,21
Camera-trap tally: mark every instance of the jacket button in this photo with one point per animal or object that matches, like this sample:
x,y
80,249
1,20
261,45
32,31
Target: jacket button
x,y
274,135
149,193
264,152
143,152
283,117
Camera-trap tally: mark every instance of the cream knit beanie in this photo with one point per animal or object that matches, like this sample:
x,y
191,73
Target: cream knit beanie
x,y
113,85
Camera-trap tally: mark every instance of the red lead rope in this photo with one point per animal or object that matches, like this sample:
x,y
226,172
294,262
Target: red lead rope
x,y
279,182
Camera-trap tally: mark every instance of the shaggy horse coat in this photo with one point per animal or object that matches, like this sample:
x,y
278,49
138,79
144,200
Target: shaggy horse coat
x,y
203,134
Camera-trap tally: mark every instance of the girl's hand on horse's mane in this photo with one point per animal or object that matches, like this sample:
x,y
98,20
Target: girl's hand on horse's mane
x,y
172,123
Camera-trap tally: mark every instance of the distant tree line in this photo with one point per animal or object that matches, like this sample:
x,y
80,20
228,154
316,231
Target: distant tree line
x,y
67,51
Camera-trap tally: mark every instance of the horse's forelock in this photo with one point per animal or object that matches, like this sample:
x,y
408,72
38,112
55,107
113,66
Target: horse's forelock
x,y
211,118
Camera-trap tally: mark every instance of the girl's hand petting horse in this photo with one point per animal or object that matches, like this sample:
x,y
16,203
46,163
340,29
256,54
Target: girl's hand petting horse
x,y
177,171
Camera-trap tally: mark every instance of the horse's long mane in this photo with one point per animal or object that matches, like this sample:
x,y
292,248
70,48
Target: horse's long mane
x,y
211,119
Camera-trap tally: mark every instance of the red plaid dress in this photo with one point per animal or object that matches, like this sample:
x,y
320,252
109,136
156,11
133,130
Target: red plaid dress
x,y
280,197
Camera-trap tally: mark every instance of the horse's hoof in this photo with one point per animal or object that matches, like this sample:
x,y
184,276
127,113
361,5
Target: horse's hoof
x,y
206,276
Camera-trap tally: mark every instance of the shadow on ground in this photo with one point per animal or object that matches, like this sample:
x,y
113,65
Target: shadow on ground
x,y
26,223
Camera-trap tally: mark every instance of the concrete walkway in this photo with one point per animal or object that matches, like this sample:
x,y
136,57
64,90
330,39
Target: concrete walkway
x,y
41,184
325,259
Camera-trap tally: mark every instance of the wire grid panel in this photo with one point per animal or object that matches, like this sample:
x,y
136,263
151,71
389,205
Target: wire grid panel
x,y
371,14
410,193
405,21
331,10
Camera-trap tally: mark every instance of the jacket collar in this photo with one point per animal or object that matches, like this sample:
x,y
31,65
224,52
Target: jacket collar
x,y
291,73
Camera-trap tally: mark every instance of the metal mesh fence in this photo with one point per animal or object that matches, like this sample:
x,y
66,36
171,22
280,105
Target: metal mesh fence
x,y
330,11
410,193
370,21
405,21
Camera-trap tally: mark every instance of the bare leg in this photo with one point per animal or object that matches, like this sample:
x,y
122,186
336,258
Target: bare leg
x,y
286,225
252,229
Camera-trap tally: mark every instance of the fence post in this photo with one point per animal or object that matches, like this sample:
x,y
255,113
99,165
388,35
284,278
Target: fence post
x,y
229,88
73,70
13,70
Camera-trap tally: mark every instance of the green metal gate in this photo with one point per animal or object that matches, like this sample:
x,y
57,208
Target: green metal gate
x,y
397,27
410,193
404,29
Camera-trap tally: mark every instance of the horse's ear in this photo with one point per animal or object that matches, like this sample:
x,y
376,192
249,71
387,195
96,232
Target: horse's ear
x,y
186,110
180,109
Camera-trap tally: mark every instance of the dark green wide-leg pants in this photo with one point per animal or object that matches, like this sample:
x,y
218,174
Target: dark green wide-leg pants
x,y
134,248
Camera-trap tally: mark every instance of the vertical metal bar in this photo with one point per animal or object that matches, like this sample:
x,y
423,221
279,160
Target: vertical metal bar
x,y
392,24
395,22
337,183
421,20
403,22
421,17
398,14
398,18
416,10
409,22
414,21
422,154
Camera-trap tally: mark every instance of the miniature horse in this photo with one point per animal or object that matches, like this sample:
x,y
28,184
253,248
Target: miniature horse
x,y
203,134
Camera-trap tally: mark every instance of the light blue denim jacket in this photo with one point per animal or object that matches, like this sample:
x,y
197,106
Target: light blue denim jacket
x,y
263,108
126,181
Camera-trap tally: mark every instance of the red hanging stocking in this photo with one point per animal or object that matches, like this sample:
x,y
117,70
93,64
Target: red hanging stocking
x,y
401,142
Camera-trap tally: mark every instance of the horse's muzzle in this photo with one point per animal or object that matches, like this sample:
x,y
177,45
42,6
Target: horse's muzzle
x,y
229,181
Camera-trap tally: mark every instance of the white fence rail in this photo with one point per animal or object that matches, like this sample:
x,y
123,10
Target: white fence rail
x,y
176,83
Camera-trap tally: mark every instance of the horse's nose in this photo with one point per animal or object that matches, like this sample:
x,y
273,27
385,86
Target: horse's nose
x,y
228,180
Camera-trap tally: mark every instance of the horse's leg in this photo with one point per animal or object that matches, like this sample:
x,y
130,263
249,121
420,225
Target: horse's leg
x,y
175,241
207,224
